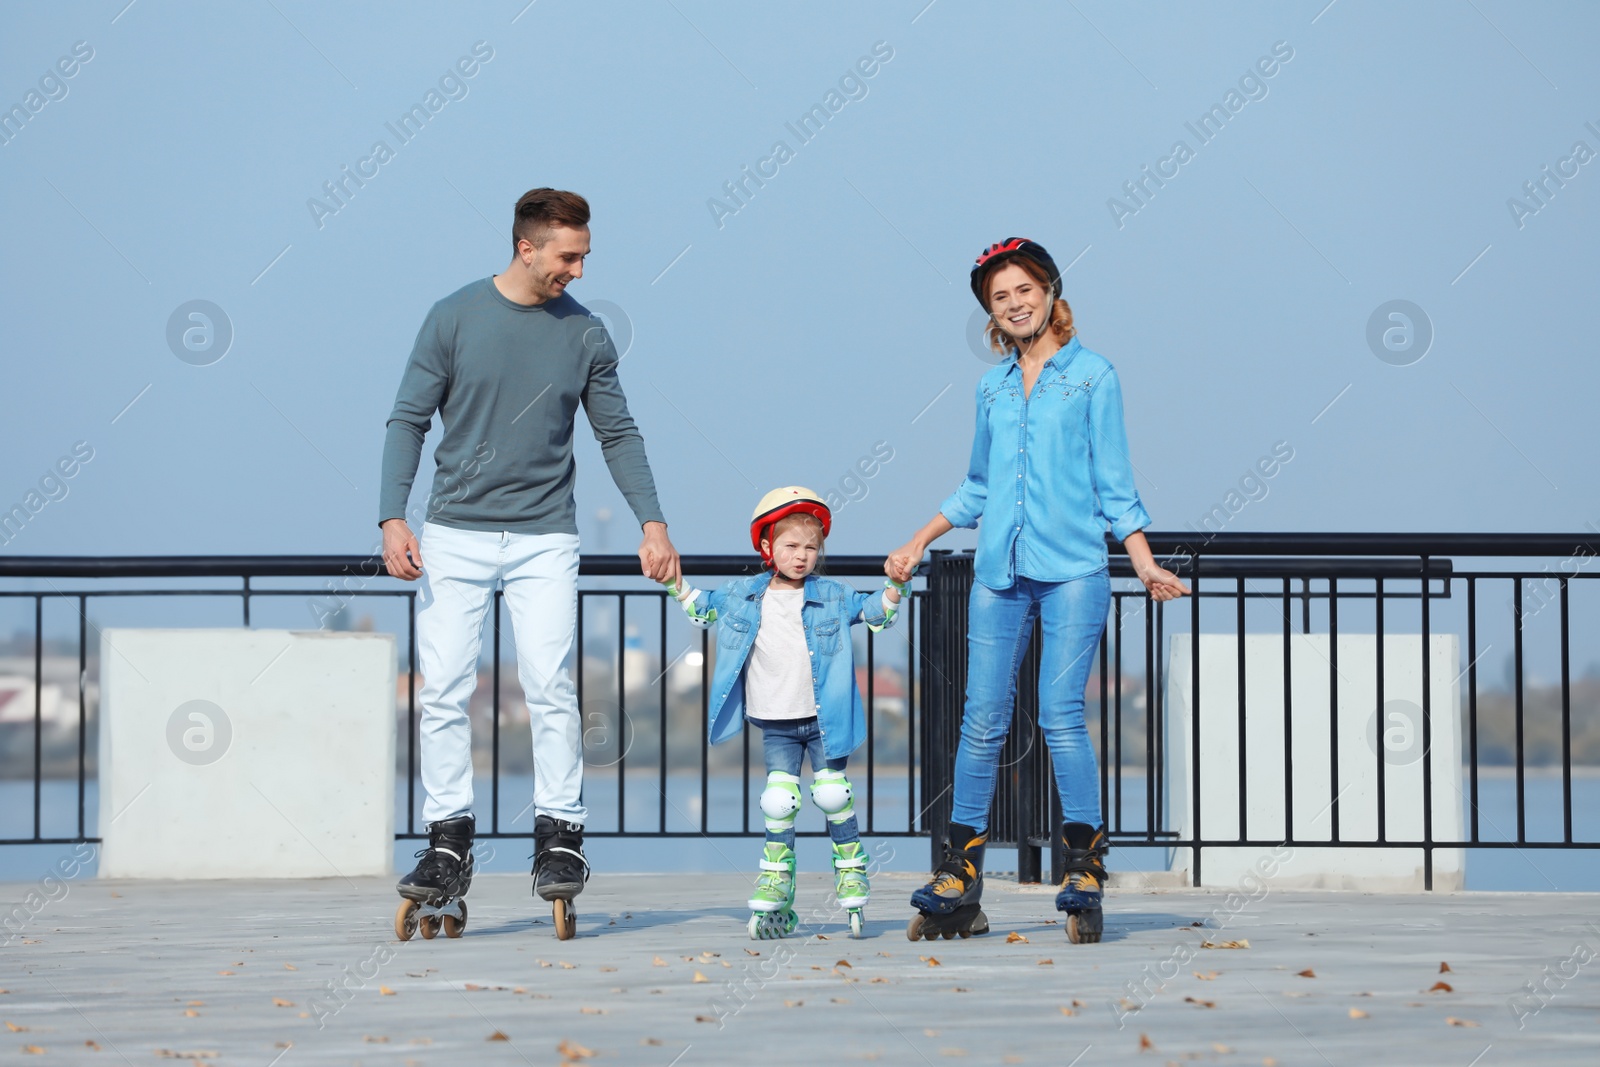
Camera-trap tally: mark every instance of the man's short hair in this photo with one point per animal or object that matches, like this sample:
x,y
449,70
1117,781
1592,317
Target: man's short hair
x,y
541,210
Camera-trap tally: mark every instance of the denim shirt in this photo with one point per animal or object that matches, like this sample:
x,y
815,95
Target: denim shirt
x,y
830,608
1049,470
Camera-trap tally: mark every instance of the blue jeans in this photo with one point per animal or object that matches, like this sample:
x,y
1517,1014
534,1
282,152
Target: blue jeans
x,y
785,744
999,624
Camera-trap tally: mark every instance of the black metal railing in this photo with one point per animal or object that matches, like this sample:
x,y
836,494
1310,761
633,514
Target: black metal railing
x,y
1533,728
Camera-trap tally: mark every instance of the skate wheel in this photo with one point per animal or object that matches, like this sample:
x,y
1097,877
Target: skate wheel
x,y
948,935
857,925
566,920
1084,928
428,926
405,920
914,928
965,934
453,926
753,927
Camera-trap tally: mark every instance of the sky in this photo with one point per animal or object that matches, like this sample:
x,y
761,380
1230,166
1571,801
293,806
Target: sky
x,y
824,315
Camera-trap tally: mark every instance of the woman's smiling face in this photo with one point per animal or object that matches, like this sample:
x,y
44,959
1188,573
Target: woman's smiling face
x,y
1019,302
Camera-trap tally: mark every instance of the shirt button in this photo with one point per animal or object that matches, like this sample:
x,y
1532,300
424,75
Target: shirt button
x,y
813,652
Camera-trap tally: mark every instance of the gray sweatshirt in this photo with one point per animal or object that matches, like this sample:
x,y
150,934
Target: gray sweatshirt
x,y
507,379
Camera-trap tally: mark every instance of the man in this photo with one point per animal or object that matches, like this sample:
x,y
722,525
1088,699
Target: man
x,y
506,361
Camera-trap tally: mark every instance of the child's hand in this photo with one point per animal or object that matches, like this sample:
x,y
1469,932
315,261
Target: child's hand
x,y
902,562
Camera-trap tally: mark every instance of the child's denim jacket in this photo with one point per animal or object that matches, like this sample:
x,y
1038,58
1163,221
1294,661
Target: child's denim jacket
x,y
830,609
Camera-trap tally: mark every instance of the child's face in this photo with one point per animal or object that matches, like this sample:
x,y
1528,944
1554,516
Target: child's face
x,y
794,553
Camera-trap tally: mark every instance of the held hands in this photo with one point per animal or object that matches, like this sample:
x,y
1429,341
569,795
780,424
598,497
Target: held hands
x,y
1161,583
902,562
402,556
658,560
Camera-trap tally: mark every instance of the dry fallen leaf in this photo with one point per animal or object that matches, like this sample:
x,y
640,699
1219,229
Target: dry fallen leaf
x,y
1453,1021
592,1011
1046,963
930,961
1079,1004
1444,968
191,1013
279,1002
930,1033
648,1041
385,991
1144,1043
793,1003
705,1018
33,1050
607,970
573,1051
1242,943
15,1029
1013,937
1220,1049
879,981
497,1036
698,977
373,1039
1209,976
290,967
225,972
658,961
197,1003
519,989
751,952
1202,1003
1307,973
1441,987
473,987
1357,1013
842,963
568,966
1066,1011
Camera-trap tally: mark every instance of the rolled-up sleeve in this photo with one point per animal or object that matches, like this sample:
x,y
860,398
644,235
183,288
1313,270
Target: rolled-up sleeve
x,y
1118,497
964,506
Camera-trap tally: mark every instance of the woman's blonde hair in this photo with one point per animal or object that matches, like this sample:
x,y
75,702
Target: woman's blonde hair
x,y
1061,325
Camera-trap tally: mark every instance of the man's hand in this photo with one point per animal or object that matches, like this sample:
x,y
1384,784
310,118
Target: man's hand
x,y
657,558
402,556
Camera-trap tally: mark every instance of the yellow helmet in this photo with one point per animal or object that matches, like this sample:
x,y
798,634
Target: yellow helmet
x,y
790,500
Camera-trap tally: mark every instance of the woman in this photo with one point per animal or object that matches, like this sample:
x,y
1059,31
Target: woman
x,y
1049,471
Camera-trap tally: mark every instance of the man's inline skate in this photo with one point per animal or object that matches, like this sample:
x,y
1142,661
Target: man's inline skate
x,y
1080,894
433,892
772,911
850,884
948,906
559,869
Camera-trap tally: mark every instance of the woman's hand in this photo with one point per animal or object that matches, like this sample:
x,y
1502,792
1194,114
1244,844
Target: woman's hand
x,y
1161,583
903,560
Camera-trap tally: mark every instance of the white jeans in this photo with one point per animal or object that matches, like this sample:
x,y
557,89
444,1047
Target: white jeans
x,y
539,572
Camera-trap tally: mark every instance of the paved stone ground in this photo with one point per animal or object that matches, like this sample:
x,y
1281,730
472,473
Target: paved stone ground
x,y
308,972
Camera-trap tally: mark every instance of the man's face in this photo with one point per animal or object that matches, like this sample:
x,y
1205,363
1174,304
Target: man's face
x,y
558,262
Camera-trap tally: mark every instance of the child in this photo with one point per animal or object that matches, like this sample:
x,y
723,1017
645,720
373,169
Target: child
x,y
785,662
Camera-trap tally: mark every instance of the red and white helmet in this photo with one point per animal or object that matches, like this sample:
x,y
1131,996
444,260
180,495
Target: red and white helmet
x,y
790,500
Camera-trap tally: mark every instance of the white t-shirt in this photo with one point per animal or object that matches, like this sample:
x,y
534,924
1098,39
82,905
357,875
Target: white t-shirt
x,y
777,681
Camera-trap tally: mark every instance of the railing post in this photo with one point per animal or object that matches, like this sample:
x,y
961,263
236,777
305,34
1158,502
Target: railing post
x,y
944,685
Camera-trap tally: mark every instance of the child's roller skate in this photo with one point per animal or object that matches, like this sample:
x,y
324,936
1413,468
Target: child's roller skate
x,y
772,911
850,883
948,904
1080,888
433,891
559,869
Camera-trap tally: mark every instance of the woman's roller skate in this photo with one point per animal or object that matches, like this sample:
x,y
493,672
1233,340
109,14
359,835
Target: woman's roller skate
x,y
1080,889
559,869
948,904
850,883
433,891
772,911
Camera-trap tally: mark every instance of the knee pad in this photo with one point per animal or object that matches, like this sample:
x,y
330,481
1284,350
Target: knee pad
x,y
830,791
780,800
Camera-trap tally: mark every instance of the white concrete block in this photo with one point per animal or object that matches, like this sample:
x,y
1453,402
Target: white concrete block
x,y
1359,743
246,754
